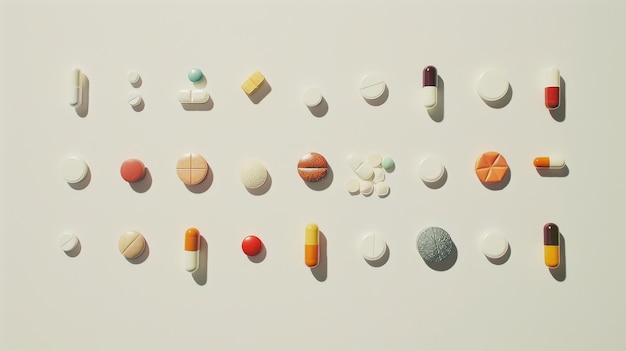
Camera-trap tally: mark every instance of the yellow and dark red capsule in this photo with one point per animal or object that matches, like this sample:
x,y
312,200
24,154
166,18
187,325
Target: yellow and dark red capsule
x,y
551,245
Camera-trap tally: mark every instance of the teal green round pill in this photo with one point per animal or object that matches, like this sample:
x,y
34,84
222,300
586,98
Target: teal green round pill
x,y
388,163
195,75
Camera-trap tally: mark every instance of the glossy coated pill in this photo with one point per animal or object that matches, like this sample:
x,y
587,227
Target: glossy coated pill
x,y
429,86
312,167
132,170
552,91
494,245
353,185
373,247
372,86
133,77
551,162
131,244
388,163
311,245
491,167
434,244
67,242
74,170
76,88
251,245
134,99
191,259
253,174
192,168
431,169
195,75
492,85
551,242
312,97
252,84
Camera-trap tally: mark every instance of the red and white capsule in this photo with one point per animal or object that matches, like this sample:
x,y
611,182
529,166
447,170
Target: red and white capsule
x,y
551,162
553,88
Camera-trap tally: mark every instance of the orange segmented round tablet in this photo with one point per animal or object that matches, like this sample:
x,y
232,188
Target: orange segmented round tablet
x,y
491,167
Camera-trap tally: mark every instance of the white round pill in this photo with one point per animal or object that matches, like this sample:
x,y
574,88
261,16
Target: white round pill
x,y
379,175
382,189
375,160
253,174
133,77
373,247
353,185
134,99
312,97
74,170
431,169
366,187
494,245
372,86
492,85
67,242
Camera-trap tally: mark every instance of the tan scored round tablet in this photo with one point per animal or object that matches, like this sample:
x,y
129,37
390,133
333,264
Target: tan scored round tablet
x,y
131,244
192,169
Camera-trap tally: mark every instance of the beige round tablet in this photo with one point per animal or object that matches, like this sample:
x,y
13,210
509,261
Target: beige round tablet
x,y
253,174
353,185
131,244
192,168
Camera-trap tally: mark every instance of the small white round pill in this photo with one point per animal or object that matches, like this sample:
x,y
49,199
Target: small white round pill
x,y
379,175
373,247
382,189
134,99
431,169
253,174
353,185
312,97
375,160
372,86
366,187
74,170
133,77
67,242
494,245
492,85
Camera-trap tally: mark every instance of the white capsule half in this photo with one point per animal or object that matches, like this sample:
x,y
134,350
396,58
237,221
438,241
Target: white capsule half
x,y
191,261
76,91
429,96
553,77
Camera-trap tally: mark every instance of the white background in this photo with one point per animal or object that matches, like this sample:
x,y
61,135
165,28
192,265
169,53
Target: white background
x,y
100,301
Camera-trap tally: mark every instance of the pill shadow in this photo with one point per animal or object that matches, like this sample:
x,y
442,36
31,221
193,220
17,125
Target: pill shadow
x,y
559,273
263,188
381,261
75,251
204,185
438,184
83,109
546,172
558,114
260,257
501,260
207,106
323,183
261,92
446,263
383,196
200,276
201,84
436,113
138,83
141,105
83,183
501,184
320,110
143,185
380,100
500,103
320,272
392,168
141,258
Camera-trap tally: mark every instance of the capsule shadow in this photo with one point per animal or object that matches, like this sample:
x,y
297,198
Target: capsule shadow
x,y
558,114
83,109
381,261
323,183
143,185
446,263
142,257
379,100
501,260
547,172
320,110
200,276
83,183
436,113
75,251
260,257
204,185
559,273
502,102
320,272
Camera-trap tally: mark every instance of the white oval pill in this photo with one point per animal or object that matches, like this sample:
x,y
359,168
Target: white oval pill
x,y
492,85
382,189
74,170
253,174
353,185
312,97
431,169
494,245
373,247
133,77
67,242
134,99
379,175
366,187
375,160
372,86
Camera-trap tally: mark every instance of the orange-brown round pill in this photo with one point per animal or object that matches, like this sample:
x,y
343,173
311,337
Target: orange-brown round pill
x,y
312,167
192,169
491,167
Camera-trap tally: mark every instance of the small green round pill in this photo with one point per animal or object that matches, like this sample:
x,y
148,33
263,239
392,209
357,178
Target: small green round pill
x,y
195,75
388,163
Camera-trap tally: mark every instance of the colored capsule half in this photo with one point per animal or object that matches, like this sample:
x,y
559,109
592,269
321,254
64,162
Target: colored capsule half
x,y
553,88
311,245
429,86
549,162
551,245
192,250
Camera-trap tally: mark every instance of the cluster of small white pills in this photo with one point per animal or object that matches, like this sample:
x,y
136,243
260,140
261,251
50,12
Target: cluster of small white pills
x,y
371,172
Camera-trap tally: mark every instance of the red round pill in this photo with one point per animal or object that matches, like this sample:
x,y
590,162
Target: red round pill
x,y
133,170
251,245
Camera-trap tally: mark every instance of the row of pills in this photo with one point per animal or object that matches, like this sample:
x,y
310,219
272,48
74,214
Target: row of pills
x,y
492,86
434,245
192,169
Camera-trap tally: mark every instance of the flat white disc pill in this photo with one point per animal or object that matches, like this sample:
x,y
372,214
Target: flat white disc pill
x,y
372,86
494,245
492,85
431,169
373,247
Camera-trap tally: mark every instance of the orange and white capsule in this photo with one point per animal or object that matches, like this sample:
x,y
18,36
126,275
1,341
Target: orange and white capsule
x,y
553,88
551,162
192,250
311,245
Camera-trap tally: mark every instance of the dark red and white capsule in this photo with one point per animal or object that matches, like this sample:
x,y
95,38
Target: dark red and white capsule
x,y
553,88
429,86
